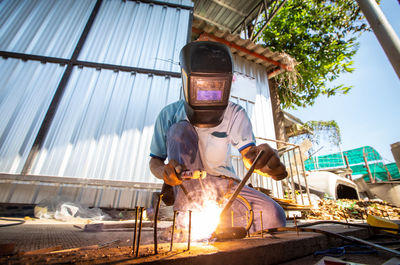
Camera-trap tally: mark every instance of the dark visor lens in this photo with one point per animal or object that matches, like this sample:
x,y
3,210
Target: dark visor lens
x,y
209,89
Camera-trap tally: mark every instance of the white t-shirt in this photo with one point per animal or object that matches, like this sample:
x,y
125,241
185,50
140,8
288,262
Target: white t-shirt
x,y
214,143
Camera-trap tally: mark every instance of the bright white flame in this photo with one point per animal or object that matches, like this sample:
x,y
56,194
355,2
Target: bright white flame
x,y
205,220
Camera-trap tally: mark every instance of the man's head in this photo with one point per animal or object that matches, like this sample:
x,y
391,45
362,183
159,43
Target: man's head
x,y
207,70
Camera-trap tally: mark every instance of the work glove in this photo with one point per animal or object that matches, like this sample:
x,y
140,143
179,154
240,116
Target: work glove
x,y
269,163
171,173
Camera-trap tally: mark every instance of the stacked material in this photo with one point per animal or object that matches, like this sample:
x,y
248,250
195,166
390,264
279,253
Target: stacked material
x,y
346,209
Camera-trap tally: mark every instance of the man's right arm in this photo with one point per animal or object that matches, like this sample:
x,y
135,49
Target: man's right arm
x,y
166,172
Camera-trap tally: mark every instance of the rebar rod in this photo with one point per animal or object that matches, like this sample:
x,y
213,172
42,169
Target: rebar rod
x,y
155,223
173,231
262,227
134,233
190,229
140,231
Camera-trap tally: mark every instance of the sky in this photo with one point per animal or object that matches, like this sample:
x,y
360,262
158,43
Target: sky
x,y
370,113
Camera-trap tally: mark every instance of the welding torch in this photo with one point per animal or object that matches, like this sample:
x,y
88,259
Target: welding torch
x,y
189,174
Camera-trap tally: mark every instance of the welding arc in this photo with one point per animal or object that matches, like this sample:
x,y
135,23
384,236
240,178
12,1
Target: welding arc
x,y
242,183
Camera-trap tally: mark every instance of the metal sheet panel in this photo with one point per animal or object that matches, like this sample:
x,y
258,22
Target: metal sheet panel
x,y
43,27
137,34
260,113
26,90
104,125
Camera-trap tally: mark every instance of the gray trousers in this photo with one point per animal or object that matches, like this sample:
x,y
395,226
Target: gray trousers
x,y
182,146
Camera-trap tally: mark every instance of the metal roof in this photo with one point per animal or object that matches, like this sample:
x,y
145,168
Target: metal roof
x,y
227,15
274,62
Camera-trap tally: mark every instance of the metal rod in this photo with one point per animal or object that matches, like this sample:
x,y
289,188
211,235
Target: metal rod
x,y
305,177
172,232
134,233
232,218
155,223
190,229
250,215
295,223
247,221
242,183
292,179
140,231
262,227
374,245
298,176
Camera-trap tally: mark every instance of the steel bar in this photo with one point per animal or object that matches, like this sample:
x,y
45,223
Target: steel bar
x,y
262,226
172,232
292,179
242,183
295,223
134,233
190,229
375,245
155,223
346,238
232,218
298,175
140,231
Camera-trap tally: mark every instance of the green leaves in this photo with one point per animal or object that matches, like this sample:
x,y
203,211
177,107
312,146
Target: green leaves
x,y
321,36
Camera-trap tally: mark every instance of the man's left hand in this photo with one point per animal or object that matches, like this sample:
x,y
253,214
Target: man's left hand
x,y
269,163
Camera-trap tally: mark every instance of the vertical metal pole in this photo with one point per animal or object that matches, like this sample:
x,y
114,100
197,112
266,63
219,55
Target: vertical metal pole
x,y
384,32
298,174
155,224
232,218
262,227
305,177
292,179
295,223
172,232
140,231
134,233
190,228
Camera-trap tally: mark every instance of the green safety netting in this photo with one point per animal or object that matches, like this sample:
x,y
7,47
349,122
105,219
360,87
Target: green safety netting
x,y
356,161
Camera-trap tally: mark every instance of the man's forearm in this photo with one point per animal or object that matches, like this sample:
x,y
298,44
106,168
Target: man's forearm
x,y
157,167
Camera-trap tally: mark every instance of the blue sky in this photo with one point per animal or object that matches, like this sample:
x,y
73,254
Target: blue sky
x,y
370,113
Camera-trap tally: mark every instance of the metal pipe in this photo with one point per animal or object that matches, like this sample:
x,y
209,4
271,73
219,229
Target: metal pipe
x,y
140,231
155,223
384,32
305,177
134,233
190,229
173,231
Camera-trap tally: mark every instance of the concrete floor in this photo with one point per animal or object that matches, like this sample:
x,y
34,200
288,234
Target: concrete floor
x,y
280,248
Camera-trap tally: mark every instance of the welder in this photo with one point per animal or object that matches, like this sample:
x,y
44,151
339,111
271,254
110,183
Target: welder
x,y
197,133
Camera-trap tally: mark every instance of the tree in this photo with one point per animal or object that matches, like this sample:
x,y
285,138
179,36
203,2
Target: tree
x,y
321,36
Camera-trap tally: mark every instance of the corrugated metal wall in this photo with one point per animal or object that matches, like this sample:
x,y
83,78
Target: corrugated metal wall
x,y
26,90
104,125
260,113
43,27
137,34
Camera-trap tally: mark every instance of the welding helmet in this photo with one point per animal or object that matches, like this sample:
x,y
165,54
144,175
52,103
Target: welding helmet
x,y
206,79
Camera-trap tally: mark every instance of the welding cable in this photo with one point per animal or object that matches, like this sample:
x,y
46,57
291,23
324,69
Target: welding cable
x,y
349,224
17,222
247,205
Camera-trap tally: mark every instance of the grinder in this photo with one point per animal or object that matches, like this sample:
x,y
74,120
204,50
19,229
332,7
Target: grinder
x,y
207,71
